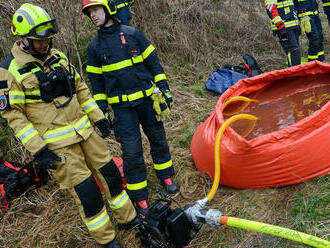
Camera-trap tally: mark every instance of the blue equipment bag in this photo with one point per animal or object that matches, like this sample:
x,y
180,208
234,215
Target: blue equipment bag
x,y
221,79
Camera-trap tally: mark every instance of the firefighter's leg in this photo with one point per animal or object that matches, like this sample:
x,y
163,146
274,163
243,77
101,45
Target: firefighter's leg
x,y
320,53
159,148
292,48
105,170
315,47
74,174
127,133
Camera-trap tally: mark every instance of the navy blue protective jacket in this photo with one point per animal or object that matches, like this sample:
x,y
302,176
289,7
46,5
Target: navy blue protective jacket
x,y
280,11
306,7
123,66
123,11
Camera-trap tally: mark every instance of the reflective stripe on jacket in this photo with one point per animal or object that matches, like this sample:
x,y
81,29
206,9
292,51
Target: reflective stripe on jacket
x,y
124,71
121,3
37,123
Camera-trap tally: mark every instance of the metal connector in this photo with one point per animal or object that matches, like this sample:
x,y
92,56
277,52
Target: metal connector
x,y
197,214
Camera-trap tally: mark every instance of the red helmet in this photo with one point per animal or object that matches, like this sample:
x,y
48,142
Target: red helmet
x,y
109,5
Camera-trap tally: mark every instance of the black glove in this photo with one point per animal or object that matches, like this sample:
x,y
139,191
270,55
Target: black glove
x,y
168,98
104,126
282,35
45,158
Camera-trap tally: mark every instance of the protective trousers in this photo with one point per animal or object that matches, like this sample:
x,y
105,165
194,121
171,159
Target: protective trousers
x,y
82,163
315,47
127,132
291,47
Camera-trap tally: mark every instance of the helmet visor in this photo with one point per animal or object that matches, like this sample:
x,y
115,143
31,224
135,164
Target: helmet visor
x,y
43,30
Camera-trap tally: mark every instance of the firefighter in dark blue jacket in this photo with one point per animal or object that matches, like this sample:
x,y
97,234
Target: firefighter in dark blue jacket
x,y
285,25
308,14
123,11
326,8
125,73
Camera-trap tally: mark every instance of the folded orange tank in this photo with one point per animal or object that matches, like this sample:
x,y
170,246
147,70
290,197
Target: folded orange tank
x,y
290,143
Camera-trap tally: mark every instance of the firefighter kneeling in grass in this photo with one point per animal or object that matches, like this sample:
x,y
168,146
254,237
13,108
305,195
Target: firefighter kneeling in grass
x,y
51,111
125,72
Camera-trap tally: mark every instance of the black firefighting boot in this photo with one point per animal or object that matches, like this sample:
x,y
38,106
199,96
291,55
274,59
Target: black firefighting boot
x,y
142,208
130,225
113,244
170,186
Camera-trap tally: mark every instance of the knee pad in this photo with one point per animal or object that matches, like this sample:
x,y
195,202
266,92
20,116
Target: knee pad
x,y
316,41
90,196
132,151
132,148
112,176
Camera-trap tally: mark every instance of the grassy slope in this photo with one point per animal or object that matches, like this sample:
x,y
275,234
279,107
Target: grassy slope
x,y
192,38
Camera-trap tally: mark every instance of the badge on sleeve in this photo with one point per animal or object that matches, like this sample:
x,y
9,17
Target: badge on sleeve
x,y
4,103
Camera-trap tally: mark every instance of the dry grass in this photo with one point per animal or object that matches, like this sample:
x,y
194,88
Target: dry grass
x,y
192,37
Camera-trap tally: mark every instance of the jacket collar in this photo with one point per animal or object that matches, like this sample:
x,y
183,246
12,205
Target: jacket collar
x,y
109,30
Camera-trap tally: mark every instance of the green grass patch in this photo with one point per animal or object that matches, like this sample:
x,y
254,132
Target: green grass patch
x,y
311,210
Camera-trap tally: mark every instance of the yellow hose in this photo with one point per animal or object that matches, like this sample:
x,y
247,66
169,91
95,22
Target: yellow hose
x,y
235,99
276,231
217,150
254,225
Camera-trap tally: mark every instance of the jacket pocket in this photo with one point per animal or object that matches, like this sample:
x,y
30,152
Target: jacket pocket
x,y
30,83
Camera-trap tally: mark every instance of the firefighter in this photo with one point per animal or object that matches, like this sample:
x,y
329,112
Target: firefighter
x,y
308,14
126,74
51,111
326,8
123,11
285,25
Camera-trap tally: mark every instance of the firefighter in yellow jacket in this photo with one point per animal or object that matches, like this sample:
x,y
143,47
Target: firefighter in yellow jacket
x,y
52,112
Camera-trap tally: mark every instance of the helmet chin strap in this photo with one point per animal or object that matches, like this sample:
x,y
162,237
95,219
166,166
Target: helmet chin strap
x,y
107,17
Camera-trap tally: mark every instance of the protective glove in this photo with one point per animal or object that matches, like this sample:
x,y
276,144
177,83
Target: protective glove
x,y
305,25
160,106
282,34
45,158
104,126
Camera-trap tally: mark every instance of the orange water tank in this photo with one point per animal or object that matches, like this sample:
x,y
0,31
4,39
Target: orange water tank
x,y
291,142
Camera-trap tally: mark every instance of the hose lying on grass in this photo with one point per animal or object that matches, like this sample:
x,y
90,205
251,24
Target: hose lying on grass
x,y
198,214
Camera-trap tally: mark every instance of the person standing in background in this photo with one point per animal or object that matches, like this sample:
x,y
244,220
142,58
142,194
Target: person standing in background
x,y
326,8
285,25
310,22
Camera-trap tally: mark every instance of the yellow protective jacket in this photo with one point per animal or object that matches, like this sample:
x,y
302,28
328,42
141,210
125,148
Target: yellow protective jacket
x,y
38,123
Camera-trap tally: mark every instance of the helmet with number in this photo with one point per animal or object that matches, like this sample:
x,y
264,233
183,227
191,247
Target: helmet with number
x,y
33,22
109,6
